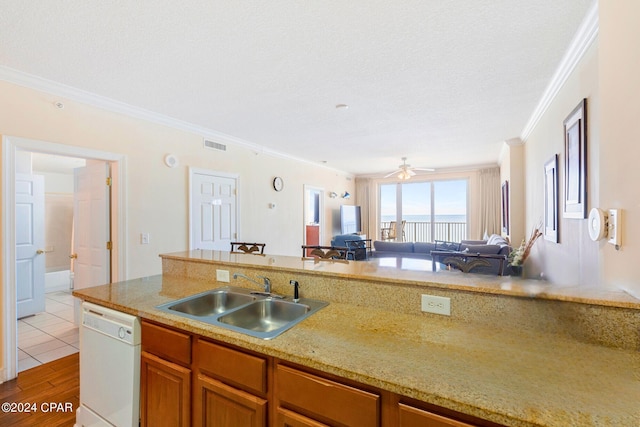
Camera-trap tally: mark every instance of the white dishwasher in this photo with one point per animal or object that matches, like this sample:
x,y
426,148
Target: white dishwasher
x,y
109,368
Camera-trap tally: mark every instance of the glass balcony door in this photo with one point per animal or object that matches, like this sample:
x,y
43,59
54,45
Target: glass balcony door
x,y
424,211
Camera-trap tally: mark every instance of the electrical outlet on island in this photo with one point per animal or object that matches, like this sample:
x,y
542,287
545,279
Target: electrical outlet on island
x,y
436,305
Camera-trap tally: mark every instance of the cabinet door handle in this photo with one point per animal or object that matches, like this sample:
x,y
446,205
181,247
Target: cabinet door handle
x,y
73,256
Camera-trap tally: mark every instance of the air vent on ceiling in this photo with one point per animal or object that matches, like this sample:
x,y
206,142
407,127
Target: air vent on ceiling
x,y
214,145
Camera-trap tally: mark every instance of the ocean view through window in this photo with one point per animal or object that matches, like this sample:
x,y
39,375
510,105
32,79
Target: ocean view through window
x,y
431,210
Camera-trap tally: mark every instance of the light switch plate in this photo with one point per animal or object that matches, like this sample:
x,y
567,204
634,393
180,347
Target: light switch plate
x,y
615,226
222,275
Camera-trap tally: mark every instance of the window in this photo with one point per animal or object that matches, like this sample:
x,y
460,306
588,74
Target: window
x,y
431,210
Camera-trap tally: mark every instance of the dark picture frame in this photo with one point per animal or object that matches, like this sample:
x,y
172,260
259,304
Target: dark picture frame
x,y
505,207
551,199
575,162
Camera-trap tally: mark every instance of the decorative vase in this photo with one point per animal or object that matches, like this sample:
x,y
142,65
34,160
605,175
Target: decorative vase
x,y
517,270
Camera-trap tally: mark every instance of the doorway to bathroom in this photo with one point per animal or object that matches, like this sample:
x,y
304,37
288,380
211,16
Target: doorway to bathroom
x,y
67,195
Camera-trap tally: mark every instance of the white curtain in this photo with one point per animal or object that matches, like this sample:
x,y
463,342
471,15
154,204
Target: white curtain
x,y
490,202
363,199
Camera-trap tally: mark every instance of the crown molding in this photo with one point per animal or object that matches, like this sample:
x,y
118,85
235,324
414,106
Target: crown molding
x,y
585,36
78,95
514,142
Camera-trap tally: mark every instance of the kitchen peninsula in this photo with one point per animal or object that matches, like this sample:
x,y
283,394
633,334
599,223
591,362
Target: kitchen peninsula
x,y
513,352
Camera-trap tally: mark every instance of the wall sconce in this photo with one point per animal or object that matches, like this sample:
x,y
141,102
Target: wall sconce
x,y
333,194
346,195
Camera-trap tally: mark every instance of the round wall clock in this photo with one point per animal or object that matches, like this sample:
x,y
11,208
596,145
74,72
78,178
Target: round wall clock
x,y
278,183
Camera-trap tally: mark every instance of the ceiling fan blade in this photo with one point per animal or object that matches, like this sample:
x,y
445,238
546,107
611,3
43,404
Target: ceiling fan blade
x,y
411,172
392,173
424,169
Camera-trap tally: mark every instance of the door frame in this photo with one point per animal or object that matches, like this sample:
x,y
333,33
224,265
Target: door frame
x,y
193,171
10,145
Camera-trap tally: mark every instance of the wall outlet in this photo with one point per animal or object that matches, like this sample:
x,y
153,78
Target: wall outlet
x,y
222,275
437,305
144,238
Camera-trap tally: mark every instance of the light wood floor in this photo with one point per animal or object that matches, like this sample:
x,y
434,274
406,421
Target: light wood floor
x,y
51,386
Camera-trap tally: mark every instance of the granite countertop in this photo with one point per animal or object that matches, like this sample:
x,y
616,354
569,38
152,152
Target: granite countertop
x,y
517,378
419,272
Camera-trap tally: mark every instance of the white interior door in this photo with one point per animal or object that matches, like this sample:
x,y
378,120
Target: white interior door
x,y
91,232
213,211
30,257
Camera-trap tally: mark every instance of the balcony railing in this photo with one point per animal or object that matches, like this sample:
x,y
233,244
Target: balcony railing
x,y
421,231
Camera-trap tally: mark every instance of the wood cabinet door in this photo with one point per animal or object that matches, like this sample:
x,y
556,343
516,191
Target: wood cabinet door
x,y
217,404
325,400
286,418
414,417
165,396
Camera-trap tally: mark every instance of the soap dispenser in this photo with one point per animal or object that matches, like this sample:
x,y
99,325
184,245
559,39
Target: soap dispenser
x,y
296,294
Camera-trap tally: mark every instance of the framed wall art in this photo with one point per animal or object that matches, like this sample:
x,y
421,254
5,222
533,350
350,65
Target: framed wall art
x,y
551,199
575,162
505,207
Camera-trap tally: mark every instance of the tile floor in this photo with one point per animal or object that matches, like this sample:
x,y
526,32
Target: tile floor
x,y
50,335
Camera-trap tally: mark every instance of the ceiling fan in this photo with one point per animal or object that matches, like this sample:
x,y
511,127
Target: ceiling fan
x,y
405,171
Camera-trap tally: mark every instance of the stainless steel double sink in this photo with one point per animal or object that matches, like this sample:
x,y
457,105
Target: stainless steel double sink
x,y
241,310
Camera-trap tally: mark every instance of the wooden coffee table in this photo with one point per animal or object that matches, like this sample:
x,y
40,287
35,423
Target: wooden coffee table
x,y
466,261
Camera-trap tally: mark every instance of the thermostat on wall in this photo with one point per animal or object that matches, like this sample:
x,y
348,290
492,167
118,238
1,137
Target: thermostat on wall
x,y
597,224
605,224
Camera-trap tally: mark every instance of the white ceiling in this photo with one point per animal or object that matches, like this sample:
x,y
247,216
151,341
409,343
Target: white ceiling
x,y
441,82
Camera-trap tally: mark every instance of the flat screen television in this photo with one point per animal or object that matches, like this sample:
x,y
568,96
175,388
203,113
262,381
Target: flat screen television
x,y
350,221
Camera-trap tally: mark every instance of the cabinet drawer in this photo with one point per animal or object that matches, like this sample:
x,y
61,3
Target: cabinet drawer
x,y
326,400
242,370
414,417
286,418
166,343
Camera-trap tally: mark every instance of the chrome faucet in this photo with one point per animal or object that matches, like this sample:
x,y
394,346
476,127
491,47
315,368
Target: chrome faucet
x,y
266,283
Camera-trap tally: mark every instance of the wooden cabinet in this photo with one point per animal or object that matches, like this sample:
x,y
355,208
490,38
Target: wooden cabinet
x,y
220,405
414,417
190,380
407,412
231,388
286,418
165,397
322,400
165,377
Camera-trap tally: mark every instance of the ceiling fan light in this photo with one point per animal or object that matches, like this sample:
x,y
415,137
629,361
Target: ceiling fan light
x,y
404,175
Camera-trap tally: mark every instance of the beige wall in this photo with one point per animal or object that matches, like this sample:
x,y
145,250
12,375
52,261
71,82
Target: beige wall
x,y
512,170
574,259
619,68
